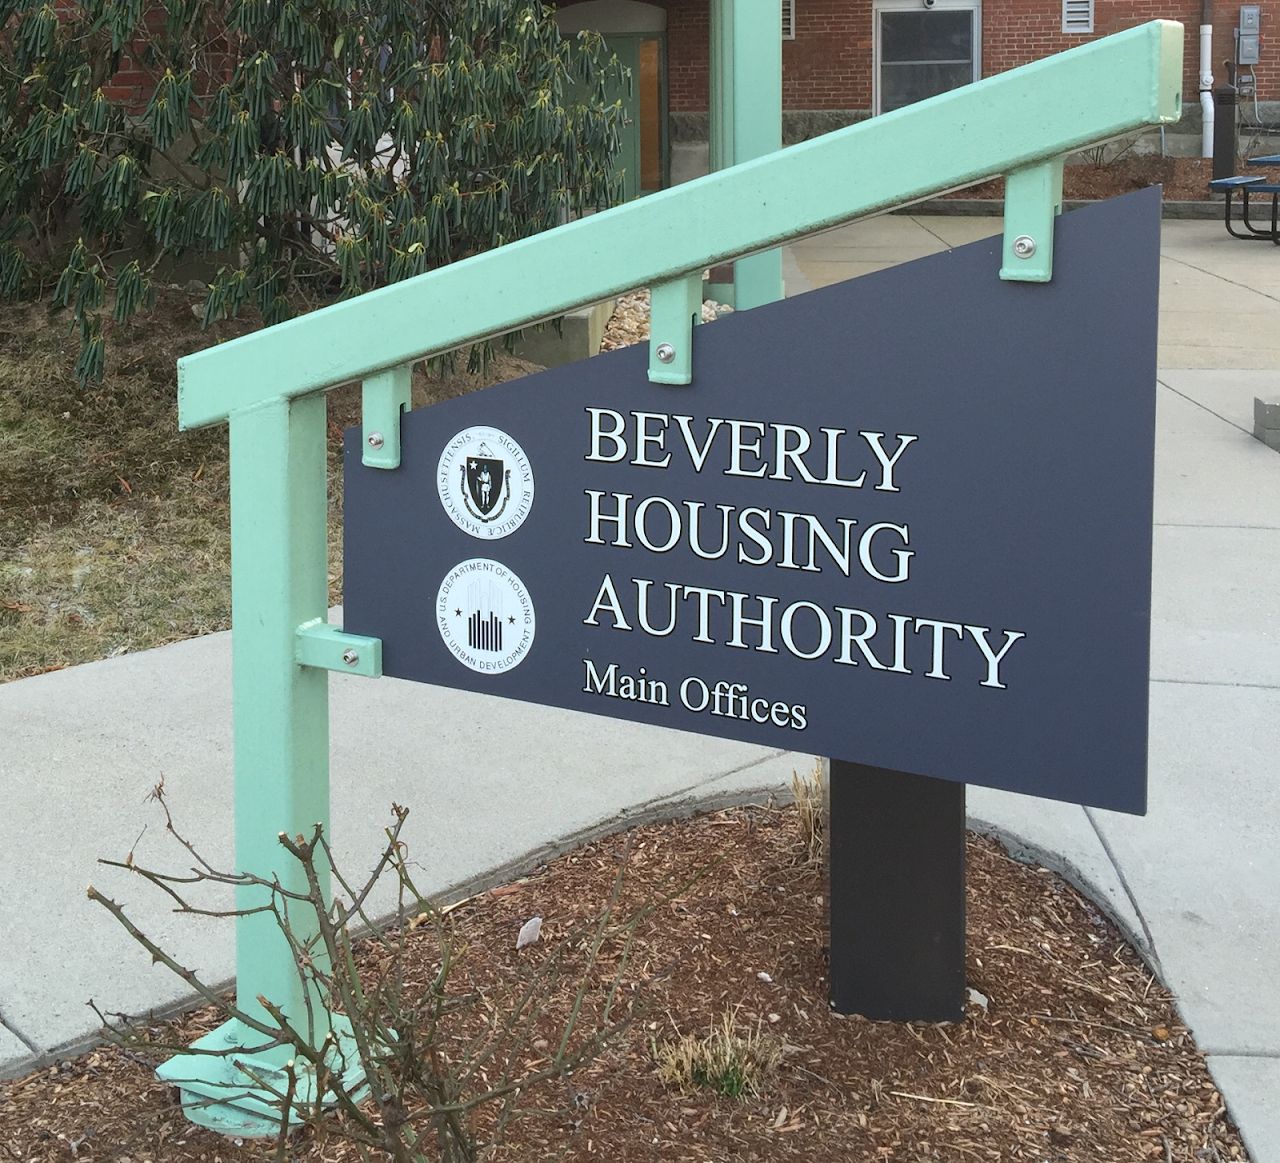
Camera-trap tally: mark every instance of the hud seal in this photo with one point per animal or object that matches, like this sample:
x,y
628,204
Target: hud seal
x,y
485,616
485,482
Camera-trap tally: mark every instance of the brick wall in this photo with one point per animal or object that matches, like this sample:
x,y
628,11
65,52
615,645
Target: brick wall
x,y
135,81
1018,31
828,65
688,55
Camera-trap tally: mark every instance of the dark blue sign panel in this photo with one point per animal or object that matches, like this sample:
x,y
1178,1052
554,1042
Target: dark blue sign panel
x,y
904,521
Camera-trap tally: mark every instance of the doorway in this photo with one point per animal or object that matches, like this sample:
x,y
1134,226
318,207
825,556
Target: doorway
x,y
636,34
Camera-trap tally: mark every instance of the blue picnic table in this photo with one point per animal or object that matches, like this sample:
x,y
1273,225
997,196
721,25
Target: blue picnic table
x,y
1244,185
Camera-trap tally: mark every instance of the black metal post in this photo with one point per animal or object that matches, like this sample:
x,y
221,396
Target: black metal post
x,y
1225,135
896,844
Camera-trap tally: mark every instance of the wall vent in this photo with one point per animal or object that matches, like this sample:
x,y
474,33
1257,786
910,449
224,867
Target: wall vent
x,y
1077,17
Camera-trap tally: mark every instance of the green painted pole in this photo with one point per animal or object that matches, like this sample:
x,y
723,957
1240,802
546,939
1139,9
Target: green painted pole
x,y
720,155
279,582
720,121
755,34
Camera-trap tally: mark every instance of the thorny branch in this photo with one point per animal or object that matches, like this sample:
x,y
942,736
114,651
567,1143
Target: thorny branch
x,y
414,1094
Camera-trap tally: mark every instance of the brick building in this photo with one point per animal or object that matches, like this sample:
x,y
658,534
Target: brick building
x,y
844,60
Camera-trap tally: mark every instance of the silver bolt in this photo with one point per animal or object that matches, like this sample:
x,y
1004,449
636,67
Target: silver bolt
x,y
376,440
1024,246
350,657
666,353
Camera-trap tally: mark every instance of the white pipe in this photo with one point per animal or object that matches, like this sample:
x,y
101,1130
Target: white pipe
x,y
1206,89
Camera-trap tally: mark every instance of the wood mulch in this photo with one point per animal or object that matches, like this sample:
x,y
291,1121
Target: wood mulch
x,y
1070,1051
1183,179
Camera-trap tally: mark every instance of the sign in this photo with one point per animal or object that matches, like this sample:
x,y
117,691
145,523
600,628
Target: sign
x,y
904,520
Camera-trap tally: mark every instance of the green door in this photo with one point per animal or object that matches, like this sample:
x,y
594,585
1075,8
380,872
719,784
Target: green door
x,y
635,33
642,157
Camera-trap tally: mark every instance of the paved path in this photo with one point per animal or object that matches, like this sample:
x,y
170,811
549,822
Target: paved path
x,y
1196,882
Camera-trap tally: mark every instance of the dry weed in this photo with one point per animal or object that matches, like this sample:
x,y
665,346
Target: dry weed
x,y
732,1063
810,792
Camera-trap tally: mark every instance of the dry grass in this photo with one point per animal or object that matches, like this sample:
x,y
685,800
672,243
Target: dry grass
x,y
810,794
114,524
730,1062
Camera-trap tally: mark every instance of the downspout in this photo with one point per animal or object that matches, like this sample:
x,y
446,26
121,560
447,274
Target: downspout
x,y
1206,77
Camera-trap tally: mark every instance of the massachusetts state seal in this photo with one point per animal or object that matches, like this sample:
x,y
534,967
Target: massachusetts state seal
x,y
485,482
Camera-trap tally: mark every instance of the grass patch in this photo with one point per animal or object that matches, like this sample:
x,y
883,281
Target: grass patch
x,y
114,524
732,1063
810,792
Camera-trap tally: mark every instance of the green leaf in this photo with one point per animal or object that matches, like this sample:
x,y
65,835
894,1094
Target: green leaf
x,y
340,142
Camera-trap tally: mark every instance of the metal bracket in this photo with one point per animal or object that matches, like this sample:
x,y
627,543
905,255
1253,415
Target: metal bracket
x,y
1032,199
329,648
385,398
675,307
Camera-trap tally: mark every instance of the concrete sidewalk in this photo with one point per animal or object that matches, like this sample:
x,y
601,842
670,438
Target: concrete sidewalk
x,y
1196,883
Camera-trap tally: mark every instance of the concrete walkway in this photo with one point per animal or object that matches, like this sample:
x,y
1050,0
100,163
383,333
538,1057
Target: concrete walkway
x,y
1196,883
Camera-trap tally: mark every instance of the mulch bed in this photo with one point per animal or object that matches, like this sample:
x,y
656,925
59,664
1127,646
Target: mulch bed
x,y
1183,179
1070,1051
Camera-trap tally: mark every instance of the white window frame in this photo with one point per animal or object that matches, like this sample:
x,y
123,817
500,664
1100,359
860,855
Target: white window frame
x,y
1077,17
879,6
789,19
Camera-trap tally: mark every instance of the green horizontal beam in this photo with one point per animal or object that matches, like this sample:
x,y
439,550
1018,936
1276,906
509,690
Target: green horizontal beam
x,y
1087,95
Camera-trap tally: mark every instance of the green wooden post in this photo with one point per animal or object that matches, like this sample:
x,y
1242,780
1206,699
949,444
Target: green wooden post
x,y
1032,200
720,90
279,583
720,119
756,98
279,580
746,122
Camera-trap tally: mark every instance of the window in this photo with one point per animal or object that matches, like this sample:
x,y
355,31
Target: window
x,y
1077,17
788,19
921,52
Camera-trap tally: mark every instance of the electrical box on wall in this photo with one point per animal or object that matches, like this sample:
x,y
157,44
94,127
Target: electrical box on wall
x,y
1248,34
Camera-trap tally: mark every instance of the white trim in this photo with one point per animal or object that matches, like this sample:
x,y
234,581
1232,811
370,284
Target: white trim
x,y
788,19
879,6
1077,17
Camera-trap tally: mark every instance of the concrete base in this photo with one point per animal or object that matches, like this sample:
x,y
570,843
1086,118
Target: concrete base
x,y
580,334
1266,421
689,160
228,1087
